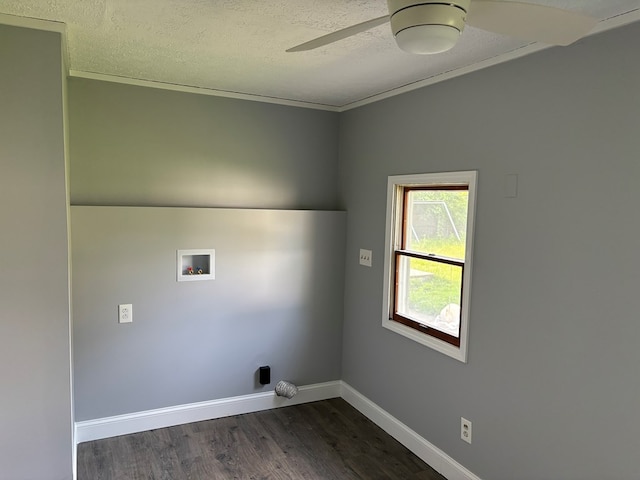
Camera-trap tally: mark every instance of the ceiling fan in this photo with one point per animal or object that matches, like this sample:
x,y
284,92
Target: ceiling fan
x,y
428,27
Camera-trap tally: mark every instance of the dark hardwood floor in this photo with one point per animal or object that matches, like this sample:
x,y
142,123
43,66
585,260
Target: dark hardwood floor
x,y
320,440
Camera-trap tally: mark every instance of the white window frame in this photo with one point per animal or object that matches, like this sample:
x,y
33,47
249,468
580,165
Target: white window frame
x,y
393,234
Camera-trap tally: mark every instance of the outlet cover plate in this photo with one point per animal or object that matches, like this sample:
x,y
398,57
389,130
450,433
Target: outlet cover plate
x,y
465,429
125,313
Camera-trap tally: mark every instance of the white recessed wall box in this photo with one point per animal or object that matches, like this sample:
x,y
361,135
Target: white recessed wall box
x,y
195,265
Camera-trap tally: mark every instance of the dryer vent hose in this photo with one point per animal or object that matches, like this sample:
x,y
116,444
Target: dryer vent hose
x,y
286,389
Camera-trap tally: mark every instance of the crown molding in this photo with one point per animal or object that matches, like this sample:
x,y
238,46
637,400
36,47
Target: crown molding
x,y
602,26
198,90
33,23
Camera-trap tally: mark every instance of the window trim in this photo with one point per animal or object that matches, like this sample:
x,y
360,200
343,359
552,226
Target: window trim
x,y
393,234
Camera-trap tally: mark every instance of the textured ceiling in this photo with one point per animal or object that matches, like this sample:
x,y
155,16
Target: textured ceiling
x,y
239,46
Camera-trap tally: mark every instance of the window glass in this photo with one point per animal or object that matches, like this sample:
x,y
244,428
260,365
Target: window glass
x,y
436,221
430,293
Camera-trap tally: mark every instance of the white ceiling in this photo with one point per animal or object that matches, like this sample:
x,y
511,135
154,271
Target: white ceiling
x,y
238,47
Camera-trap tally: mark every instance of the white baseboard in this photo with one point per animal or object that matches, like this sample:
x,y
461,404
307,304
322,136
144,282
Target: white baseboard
x,y
429,453
196,412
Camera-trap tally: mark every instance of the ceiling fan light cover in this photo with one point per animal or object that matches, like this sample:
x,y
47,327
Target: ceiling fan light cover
x,y
427,39
427,27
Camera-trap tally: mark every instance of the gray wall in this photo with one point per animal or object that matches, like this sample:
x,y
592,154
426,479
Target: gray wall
x,y
35,399
276,300
552,382
143,146
147,147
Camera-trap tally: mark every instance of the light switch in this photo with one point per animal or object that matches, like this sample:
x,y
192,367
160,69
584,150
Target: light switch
x,y
365,257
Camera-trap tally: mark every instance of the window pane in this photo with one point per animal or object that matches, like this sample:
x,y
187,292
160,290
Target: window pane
x,y
429,292
436,222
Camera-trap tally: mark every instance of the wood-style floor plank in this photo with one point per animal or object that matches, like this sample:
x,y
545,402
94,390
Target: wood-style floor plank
x,y
327,440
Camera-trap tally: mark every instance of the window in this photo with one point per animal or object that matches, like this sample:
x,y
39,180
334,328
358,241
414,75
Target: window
x,y
428,252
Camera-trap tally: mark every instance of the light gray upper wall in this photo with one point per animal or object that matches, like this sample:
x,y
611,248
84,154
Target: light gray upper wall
x,y
35,399
143,146
552,384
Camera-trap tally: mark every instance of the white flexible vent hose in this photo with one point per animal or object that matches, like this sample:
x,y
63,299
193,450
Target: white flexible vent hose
x,y
286,389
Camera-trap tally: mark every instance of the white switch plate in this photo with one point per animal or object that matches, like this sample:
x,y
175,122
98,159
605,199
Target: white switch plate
x,y
365,257
125,313
511,186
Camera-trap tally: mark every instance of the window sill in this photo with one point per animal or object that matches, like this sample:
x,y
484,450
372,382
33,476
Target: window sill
x,y
458,353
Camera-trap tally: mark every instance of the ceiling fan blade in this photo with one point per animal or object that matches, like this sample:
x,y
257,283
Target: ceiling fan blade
x,y
340,34
529,21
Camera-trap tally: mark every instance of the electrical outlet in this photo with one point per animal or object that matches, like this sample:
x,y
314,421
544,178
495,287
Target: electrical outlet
x,y
125,313
465,429
365,257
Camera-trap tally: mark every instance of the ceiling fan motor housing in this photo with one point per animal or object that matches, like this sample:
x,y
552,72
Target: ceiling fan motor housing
x,y
411,20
